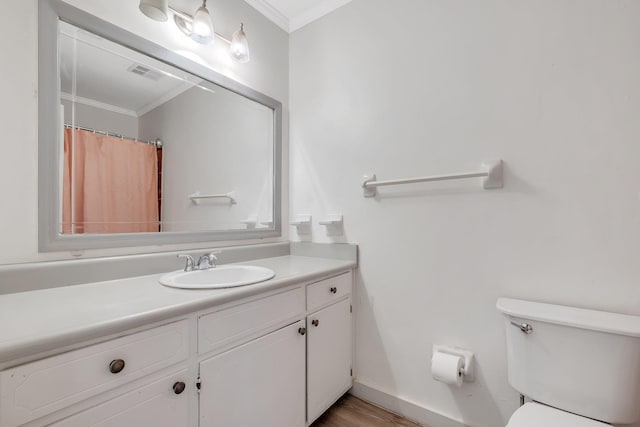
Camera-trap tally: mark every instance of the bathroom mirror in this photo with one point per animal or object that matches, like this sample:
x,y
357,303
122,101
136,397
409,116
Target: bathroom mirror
x,y
141,146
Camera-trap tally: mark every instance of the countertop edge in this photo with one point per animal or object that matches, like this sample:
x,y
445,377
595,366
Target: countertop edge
x,y
37,346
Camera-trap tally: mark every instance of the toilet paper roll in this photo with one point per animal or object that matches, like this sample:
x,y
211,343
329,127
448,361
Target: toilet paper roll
x,y
447,368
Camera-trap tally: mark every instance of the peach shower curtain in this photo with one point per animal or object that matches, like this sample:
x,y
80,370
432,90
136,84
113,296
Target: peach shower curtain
x,y
110,185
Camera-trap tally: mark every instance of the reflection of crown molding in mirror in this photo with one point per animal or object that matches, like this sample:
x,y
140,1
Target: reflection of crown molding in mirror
x,y
97,104
50,237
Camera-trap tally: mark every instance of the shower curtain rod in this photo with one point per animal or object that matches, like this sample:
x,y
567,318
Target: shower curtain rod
x,y
156,143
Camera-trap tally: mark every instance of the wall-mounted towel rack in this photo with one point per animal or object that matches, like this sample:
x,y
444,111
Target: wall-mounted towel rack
x,y
196,197
491,172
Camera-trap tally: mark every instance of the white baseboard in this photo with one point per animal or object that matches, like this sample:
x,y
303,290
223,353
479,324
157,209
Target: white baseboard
x,y
409,410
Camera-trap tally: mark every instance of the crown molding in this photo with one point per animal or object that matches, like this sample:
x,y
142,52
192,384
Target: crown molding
x,y
271,13
291,24
305,18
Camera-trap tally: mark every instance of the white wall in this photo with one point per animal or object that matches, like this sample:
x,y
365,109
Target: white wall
x,y
420,87
224,143
267,72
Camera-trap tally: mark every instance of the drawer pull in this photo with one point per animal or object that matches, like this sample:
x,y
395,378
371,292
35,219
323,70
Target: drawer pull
x,y
315,322
116,366
334,290
302,331
179,387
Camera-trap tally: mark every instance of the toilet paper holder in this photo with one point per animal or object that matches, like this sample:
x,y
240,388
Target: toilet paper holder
x,y
468,373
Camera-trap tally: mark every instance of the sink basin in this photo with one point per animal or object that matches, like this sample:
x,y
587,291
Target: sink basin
x,y
229,276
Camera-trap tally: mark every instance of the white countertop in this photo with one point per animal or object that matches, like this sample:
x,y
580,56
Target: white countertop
x,y
40,321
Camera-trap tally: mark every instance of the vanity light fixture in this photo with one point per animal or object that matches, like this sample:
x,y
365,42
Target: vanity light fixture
x,y
202,25
198,27
239,46
155,9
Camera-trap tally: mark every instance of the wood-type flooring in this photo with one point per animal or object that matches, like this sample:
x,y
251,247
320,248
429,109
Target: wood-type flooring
x,y
350,411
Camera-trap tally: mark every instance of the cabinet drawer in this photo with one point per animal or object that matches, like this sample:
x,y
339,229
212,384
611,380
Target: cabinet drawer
x,y
234,325
328,290
30,391
155,404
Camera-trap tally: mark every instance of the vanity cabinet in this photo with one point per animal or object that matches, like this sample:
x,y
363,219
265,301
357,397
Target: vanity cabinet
x,y
329,343
260,383
329,357
277,359
161,403
39,388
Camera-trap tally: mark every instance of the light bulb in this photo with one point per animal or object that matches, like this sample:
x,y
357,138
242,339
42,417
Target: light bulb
x,y
202,25
239,47
155,9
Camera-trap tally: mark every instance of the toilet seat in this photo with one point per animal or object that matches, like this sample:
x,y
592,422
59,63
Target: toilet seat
x,y
534,414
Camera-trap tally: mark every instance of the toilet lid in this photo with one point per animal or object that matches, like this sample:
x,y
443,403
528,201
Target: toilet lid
x,y
534,414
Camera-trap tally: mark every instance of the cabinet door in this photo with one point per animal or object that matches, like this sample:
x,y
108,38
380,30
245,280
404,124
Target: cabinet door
x,y
157,404
328,357
36,389
260,383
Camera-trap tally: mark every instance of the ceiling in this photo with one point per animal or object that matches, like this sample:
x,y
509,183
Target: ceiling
x,y
291,15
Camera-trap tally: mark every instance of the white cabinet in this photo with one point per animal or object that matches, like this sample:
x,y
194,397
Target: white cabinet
x,y
329,357
36,389
228,327
328,291
260,383
277,359
162,403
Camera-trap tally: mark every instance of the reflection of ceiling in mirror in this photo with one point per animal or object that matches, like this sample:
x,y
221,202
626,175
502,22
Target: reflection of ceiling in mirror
x,y
129,82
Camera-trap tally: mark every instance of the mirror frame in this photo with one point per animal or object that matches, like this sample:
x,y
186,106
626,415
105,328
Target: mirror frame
x,y
49,239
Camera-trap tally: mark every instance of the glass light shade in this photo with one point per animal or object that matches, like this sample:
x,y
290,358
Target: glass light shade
x,y
202,26
239,47
155,9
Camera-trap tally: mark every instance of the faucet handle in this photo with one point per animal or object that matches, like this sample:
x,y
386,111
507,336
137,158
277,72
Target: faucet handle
x,y
190,266
209,260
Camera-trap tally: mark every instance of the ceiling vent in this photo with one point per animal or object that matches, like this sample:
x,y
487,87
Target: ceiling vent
x,y
143,71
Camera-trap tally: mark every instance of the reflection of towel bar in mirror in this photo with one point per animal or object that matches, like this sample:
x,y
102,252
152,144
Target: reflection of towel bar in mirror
x,y
491,172
196,197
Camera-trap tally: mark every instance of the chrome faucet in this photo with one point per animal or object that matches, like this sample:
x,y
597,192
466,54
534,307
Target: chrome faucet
x,y
207,261
190,266
204,262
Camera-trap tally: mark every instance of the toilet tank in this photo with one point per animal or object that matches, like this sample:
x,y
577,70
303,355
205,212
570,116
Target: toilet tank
x,y
581,361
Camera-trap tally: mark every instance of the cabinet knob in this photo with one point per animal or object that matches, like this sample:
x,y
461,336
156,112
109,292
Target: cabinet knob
x,y
334,290
302,331
179,387
315,322
116,366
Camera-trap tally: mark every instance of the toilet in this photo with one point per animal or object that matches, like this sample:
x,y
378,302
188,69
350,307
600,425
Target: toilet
x,y
580,368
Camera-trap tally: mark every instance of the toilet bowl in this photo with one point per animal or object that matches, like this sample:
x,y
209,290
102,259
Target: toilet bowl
x,y
580,367
534,414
